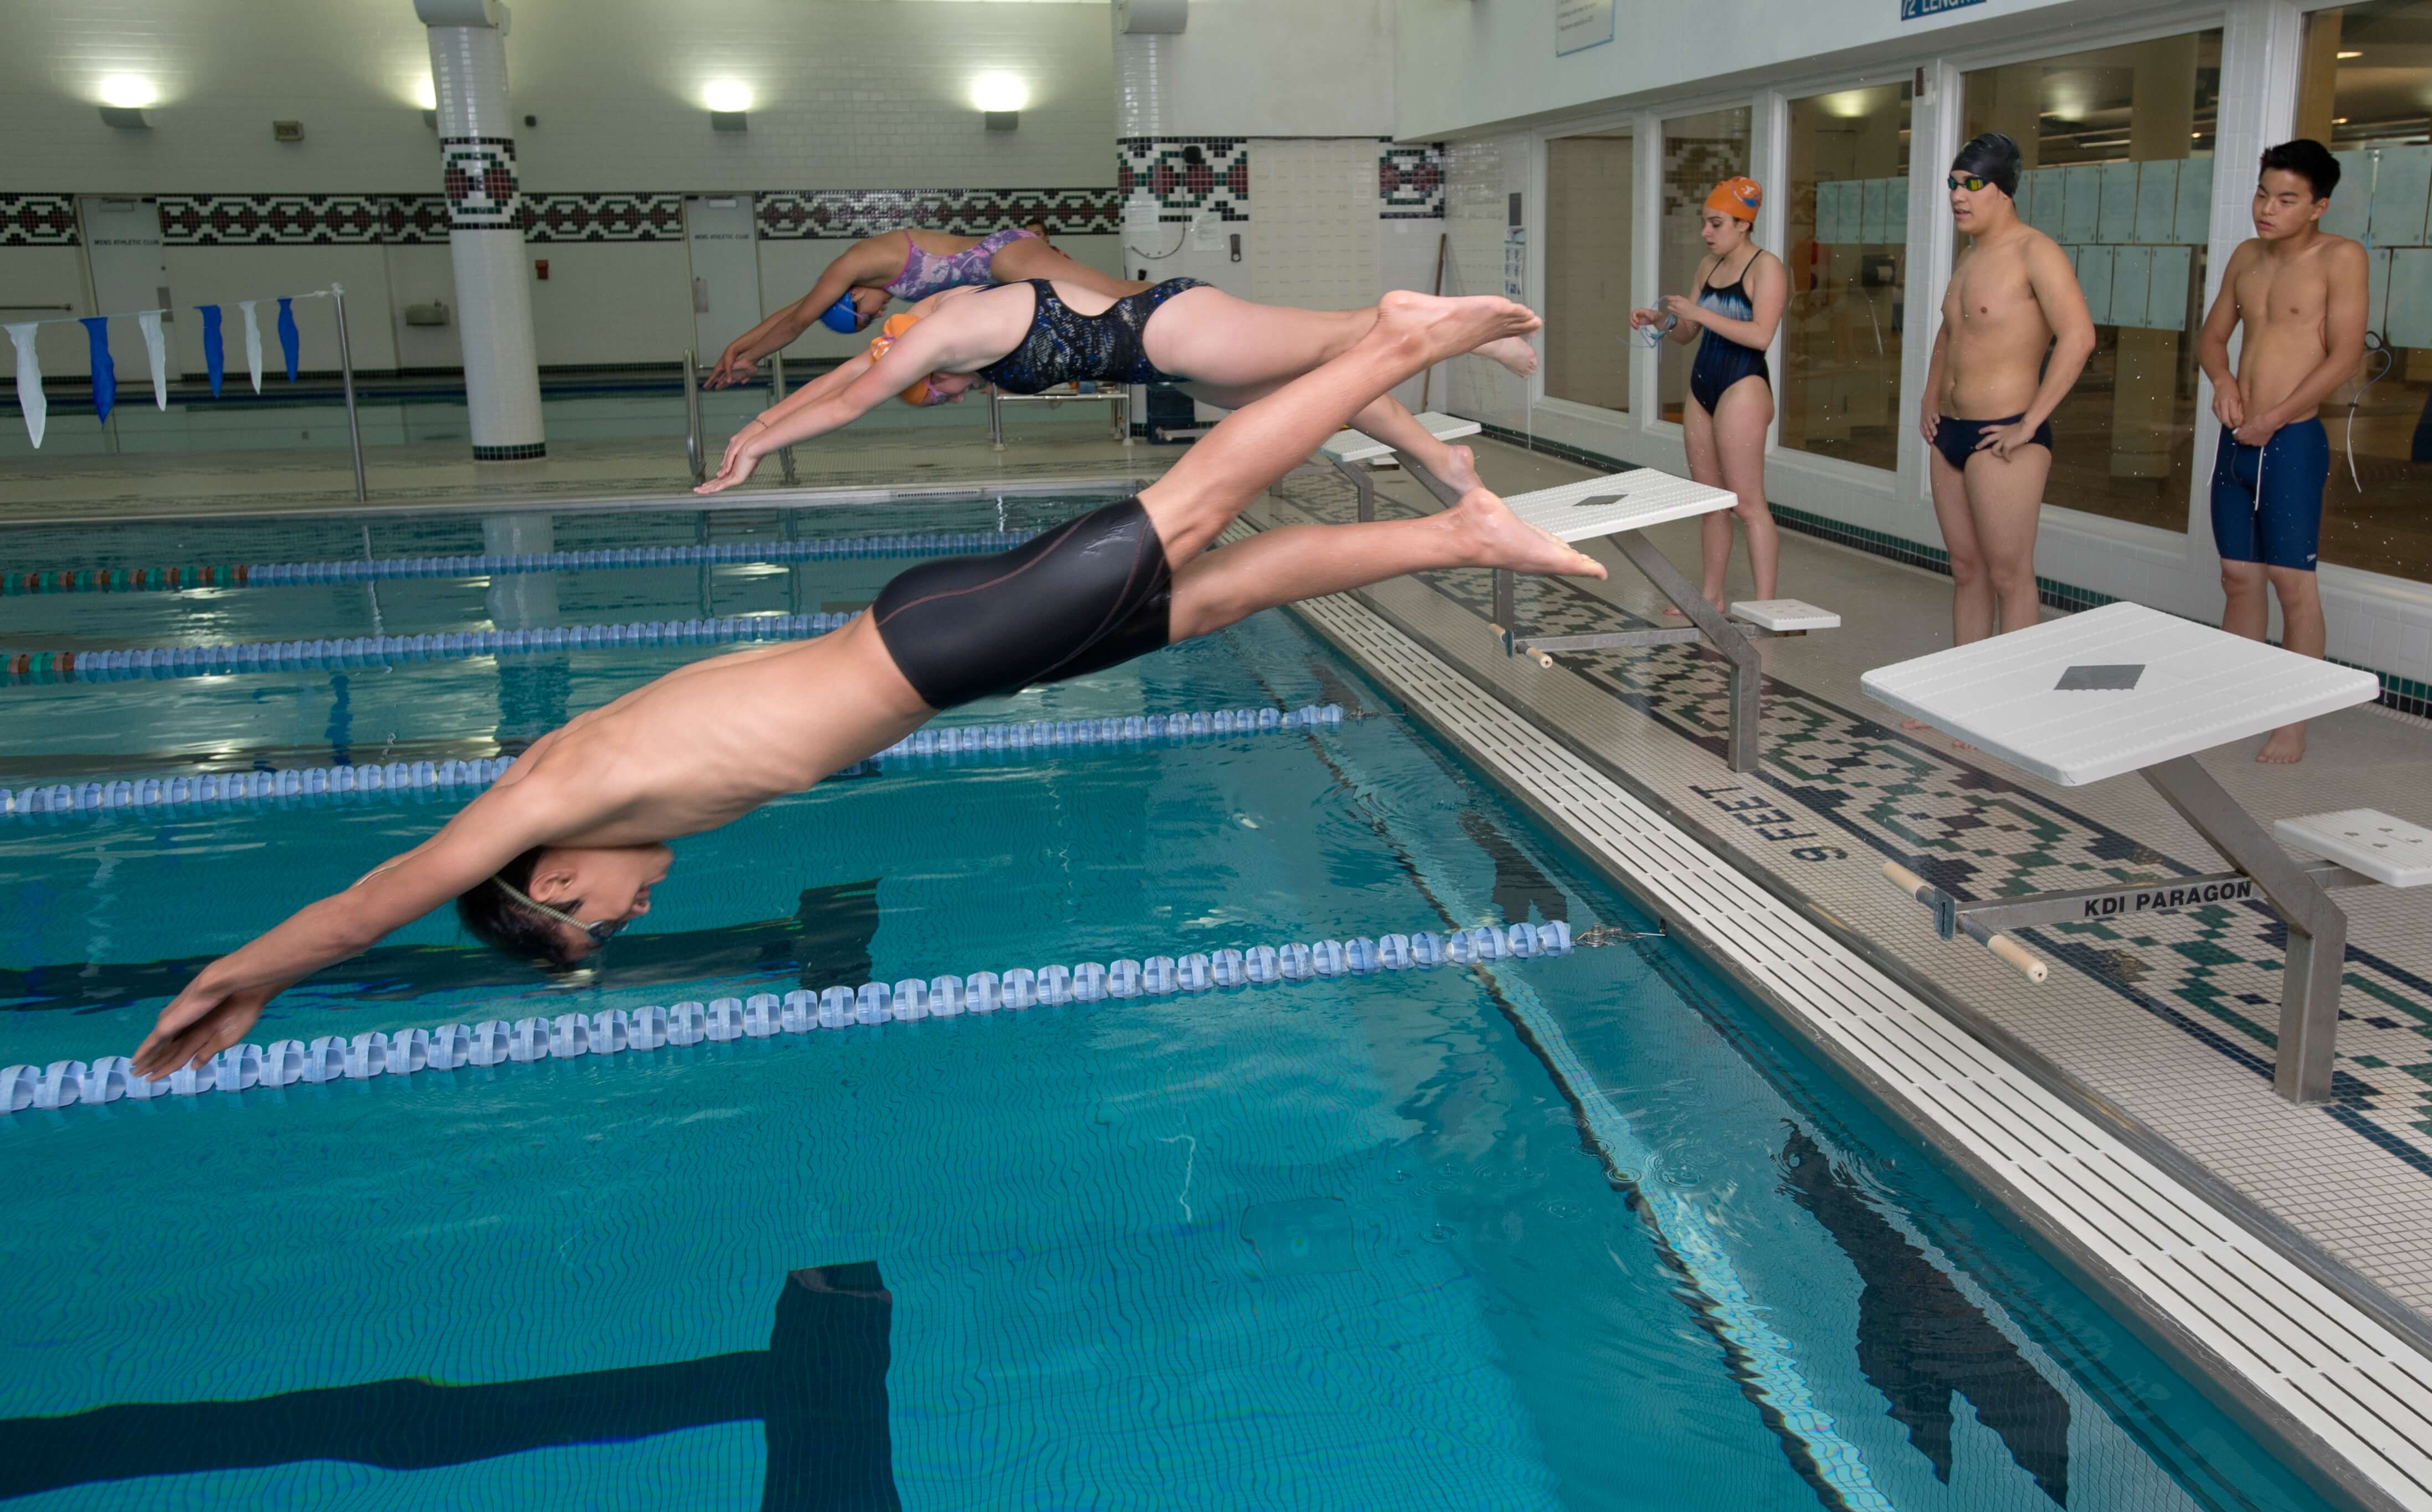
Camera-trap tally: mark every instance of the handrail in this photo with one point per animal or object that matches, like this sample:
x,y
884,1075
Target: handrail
x,y
347,372
692,417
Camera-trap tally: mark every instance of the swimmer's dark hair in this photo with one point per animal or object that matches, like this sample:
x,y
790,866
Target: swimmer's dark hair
x,y
1992,157
2309,159
503,924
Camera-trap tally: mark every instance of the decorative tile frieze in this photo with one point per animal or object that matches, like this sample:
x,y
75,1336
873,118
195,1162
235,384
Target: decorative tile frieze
x,y
847,215
614,216
277,220
38,220
483,189
1188,175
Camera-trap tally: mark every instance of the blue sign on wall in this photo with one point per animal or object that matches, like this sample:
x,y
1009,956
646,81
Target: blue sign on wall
x,y
1919,10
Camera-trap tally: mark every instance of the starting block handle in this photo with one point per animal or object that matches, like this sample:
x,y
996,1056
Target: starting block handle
x,y
2017,956
2009,951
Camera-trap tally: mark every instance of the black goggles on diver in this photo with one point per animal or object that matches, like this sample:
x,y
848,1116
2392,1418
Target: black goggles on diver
x,y
1970,182
600,933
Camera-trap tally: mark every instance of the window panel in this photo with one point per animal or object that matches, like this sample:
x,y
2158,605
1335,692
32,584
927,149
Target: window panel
x,y
2118,148
1848,234
1700,151
2366,89
1588,206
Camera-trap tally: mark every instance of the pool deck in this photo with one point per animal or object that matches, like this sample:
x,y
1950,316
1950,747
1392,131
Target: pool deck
x,y
439,476
2156,1031
2164,1018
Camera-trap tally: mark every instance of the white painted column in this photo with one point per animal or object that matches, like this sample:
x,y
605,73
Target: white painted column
x,y
1141,65
485,236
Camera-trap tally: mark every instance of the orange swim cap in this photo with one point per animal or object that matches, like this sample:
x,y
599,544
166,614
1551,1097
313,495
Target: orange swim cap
x,y
1737,198
918,395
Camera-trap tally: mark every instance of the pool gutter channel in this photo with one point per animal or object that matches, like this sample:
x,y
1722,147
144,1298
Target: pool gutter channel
x,y
1366,629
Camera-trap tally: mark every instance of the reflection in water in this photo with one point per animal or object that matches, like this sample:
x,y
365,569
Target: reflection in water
x,y
824,944
532,689
818,1389
1921,1338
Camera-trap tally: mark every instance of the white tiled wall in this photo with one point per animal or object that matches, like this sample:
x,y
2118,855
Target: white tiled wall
x,y
847,94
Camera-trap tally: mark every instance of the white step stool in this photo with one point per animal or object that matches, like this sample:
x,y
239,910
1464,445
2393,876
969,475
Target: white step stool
x,y
2366,842
1785,616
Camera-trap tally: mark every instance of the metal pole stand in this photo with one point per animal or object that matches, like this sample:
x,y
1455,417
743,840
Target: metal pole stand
x,y
1737,643
996,420
776,398
347,376
2297,891
692,418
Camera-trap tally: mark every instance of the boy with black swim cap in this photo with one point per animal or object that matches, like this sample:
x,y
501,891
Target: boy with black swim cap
x,y
2301,294
2013,296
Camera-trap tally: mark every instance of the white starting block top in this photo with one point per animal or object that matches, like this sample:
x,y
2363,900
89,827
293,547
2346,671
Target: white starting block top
x,y
1779,614
1359,446
2112,690
1645,497
2366,842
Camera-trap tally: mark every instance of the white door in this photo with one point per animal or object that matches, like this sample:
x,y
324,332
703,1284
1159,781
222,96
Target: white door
x,y
725,270
122,249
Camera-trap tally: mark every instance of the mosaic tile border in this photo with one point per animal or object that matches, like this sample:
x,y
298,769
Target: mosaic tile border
x,y
1410,181
844,214
596,216
2404,694
2211,973
38,220
1186,174
613,216
298,220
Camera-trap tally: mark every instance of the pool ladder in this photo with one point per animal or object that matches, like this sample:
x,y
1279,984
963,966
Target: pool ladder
x,y
695,454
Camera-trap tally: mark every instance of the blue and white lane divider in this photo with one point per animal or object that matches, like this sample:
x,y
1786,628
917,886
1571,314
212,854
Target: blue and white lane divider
x,y
940,544
462,776
570,1037
357,650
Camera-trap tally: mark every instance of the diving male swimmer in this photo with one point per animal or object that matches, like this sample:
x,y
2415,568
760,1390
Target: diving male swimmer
x,y
563,853
2013,296
2301,294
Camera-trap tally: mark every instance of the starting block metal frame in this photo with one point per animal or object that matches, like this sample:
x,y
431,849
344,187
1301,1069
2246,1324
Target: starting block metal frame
x,y
1620,509
2127,688
1118,403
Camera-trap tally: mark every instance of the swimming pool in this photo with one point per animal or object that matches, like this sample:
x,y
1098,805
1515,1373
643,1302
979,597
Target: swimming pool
x,y
1574,1231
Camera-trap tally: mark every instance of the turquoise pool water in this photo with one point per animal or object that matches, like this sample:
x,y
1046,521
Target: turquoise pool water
x,y
1579,1232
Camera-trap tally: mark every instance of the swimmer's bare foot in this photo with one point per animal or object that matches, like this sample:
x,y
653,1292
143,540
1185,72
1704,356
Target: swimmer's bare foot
x,y
1517,356
1676,612
1460,468
1445,328
1500,538
2286,747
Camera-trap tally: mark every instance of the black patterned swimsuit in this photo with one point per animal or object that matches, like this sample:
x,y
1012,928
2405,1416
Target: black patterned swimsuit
x,y
1065,346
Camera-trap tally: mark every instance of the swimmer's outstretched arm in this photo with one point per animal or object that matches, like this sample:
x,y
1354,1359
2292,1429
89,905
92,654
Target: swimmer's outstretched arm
x,y
222,1003
860,263
924,349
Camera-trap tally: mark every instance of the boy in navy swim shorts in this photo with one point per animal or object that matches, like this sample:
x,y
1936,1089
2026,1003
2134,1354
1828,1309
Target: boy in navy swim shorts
x,y
2300,292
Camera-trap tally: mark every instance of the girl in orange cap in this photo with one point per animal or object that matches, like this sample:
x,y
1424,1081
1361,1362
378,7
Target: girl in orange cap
x,y
1731,391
